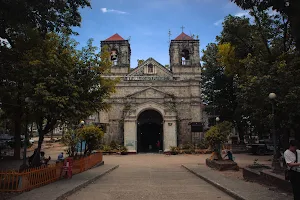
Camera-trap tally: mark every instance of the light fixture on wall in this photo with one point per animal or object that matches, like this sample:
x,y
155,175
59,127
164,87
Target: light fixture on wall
x,y
170,124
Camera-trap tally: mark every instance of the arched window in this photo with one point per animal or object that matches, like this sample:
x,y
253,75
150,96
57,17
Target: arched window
x,y
185,57
150,69
114,57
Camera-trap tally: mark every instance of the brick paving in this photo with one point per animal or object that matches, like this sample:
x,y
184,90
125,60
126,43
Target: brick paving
x,y
148,177
142,176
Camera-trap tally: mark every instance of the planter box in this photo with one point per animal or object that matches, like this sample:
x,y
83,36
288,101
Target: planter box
x,y
265,176
251,174
222,165
276,180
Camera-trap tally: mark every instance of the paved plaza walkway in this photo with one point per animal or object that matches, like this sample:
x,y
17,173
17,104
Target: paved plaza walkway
x,y
149,177
155,176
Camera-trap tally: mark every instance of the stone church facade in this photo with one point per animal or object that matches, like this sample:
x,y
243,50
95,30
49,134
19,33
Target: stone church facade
x,y
153,104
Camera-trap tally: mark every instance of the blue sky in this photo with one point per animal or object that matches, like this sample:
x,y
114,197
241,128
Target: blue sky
x,y
147,23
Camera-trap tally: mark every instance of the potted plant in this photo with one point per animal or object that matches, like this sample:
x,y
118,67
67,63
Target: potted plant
x,y
123,150
174,150
106,149
216,136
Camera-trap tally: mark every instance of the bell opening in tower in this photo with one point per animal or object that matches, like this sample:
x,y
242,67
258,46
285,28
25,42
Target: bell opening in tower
x,y
114,57
185,57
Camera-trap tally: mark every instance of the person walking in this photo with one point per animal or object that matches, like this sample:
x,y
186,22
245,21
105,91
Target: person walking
x,y
291,156
158,145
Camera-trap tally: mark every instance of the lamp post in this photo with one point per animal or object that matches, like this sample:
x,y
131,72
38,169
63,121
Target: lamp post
x,y
81,126
218,145
81,123
275,163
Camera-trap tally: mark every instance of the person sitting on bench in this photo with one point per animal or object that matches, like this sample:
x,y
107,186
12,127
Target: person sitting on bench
x,y
60,157
44,160
229,155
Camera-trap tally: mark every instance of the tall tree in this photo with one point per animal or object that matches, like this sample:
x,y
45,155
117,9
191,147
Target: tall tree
x,y
17,16
22,22
290,8
66,84
218,88
12,85
269,65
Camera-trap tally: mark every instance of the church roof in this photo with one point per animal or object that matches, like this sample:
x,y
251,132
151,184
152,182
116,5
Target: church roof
x,y
115,37
183,36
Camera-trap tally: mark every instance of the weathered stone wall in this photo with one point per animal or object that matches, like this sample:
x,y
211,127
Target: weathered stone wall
x,y
177,47
177,88
186,71
178,97
191,69
123,52
119,70
158,69
104,117
185,96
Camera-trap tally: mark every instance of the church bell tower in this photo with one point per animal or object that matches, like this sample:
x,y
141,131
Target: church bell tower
x,y
185,57
120,53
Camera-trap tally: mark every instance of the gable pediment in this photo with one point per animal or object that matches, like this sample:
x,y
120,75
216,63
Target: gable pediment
x,y
149,93
151,67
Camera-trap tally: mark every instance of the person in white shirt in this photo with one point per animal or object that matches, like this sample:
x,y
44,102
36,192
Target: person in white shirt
x,y
291,157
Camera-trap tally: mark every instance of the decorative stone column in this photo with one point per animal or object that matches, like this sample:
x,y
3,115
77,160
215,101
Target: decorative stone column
x,y
130,137
170,133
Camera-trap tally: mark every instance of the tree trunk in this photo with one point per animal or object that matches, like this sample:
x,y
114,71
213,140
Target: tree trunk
x,y
241,133
42,130
36,160
51,136
17,136
31,130
63,132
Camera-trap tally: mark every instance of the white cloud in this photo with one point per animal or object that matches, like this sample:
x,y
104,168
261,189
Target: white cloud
x,y
105,10
217,23
242,14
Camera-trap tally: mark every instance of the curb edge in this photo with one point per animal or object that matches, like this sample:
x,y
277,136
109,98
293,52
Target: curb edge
x,y
217,185
72,191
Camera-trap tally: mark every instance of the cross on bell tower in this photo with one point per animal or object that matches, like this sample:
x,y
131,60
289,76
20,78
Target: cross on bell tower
x,y
182,28
169,35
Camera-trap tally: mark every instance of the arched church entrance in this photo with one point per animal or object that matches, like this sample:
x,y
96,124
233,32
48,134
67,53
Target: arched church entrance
x,y
149,131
